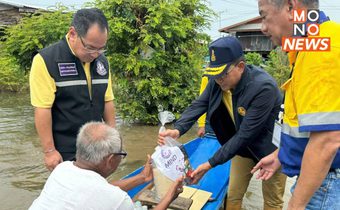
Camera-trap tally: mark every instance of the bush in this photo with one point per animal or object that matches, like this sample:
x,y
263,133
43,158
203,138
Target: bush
x,y
11,78
277,65
155,52
254,58
34,32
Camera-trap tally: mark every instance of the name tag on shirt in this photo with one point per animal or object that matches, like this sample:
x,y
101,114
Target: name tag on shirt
x,y
277,134
67,69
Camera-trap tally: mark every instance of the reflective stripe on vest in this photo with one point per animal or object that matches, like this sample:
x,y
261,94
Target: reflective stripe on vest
x,y
81,82
99,81
71,83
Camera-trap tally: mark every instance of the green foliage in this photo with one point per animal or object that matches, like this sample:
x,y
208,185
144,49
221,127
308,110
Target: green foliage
x,y
34,32
254,58
277,65
11,78
155,54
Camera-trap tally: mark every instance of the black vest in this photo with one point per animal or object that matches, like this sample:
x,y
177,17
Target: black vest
x,y
73,105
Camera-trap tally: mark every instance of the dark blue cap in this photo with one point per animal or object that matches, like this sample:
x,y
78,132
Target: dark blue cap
x,y
223,53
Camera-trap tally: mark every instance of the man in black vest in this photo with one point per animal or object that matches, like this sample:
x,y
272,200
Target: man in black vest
x,y
70,85
241,102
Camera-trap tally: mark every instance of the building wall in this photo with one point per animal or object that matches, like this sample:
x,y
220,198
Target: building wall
x,y
255,41
11,14
8,15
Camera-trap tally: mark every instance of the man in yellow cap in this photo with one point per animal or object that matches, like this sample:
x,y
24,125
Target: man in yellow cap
x,y
241,102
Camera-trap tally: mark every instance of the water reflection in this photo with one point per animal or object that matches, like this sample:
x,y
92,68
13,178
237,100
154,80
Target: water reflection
x,y
22,173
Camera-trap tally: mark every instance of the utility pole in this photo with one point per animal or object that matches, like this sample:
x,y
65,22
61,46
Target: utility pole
x,y
220,19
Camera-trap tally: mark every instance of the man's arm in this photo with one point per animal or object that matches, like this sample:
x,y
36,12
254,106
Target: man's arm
x,y
144,176
129,183
267,166
42,90
194,111
109,114
43,124
172,194
317,159
252,124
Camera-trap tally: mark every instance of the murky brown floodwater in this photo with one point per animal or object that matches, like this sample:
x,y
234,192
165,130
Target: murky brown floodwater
x,y
22,172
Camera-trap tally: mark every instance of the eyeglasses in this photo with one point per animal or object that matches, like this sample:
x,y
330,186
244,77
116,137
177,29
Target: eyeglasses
x,y
225,75
90,49
123,154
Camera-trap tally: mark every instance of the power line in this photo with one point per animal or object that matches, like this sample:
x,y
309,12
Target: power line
x,y
237,16
244,4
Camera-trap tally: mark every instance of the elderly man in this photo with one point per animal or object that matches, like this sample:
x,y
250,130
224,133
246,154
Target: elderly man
x,y
310,137
82,185
70,85
241,102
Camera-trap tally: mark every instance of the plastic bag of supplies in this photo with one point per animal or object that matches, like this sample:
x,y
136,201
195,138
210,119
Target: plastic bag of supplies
x,y
169,161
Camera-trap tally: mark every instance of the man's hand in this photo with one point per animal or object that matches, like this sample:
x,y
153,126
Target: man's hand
x,y
201,131
147,171
52,159
171,195
199,172
175,189
267,166
169,132
144,176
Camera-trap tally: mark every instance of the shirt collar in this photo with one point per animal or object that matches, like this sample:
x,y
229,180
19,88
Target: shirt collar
x,y
244,78
68,43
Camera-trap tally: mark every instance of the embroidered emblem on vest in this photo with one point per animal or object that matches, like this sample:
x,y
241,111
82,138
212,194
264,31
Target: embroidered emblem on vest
x,y
67,69
101,69
242,111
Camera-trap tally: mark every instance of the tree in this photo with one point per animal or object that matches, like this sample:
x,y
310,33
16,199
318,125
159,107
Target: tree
x,y
156,54
34,32
156,50
277,65
22,41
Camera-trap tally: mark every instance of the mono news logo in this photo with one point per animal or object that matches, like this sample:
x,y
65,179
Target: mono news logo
x,y
306,30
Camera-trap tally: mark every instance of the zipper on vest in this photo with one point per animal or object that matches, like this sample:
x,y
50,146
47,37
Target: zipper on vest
x,y
90,93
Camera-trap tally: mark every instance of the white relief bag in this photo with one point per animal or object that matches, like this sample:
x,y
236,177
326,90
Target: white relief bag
x,y
168,160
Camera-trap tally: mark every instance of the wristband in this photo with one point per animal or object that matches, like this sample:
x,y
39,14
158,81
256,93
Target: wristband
x,y
49,151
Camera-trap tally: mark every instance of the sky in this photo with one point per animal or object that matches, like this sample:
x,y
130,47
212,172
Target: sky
x,y
233,11
228,11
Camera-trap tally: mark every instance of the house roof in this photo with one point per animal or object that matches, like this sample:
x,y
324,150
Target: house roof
x,y
20,6
253,24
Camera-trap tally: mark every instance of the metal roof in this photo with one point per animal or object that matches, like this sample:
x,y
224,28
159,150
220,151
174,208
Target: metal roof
x,y
19,5
253,24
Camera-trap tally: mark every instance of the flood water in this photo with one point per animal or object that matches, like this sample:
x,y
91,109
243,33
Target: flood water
x,y
23,174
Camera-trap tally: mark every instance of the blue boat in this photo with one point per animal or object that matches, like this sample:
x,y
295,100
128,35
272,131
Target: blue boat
x,y
215,181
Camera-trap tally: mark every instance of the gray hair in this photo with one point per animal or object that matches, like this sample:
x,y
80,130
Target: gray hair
x,y
96,140
83,19
238,60
311,4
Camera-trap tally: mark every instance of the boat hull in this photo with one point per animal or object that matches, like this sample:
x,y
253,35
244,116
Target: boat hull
x,y
215,180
